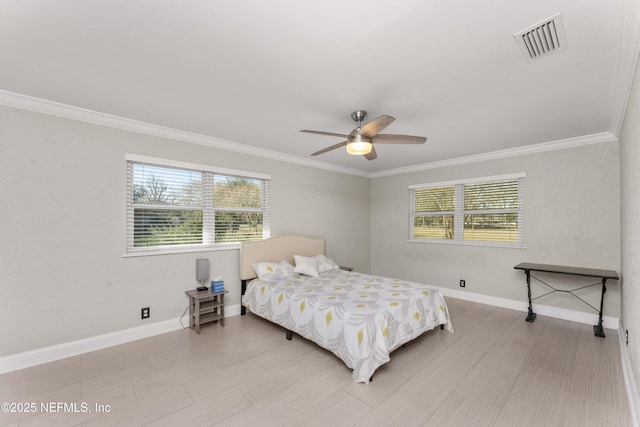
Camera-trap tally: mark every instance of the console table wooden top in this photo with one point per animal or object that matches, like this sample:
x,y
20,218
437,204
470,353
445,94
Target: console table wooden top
x,y
563,269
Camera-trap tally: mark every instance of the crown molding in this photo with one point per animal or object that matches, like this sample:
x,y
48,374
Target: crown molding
x,y
596,138
39,105
623,92
627,64
44,106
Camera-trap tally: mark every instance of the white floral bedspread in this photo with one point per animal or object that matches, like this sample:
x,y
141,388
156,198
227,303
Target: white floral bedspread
x,y
360,318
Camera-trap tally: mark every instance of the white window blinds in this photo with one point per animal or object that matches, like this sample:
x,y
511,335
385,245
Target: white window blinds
x,y
172,206
484,210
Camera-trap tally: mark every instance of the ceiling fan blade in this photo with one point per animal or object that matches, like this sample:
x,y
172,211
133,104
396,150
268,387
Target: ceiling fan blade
x,y
372,155
318,132
333,147
376,125
398,139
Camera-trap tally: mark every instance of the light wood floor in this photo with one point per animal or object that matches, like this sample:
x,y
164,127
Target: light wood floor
x,y
495,370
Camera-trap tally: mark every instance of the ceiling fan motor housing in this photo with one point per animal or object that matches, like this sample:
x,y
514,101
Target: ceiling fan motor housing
x,y
355,136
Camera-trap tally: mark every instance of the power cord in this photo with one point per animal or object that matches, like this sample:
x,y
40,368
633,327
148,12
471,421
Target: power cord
x,y
183,313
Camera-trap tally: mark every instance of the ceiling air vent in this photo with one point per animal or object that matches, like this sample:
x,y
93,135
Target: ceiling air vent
x,y
542,39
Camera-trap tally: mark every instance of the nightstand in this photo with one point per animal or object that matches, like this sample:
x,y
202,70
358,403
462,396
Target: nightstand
x,y
205,307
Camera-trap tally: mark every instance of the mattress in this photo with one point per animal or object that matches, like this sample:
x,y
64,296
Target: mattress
x,y
360,318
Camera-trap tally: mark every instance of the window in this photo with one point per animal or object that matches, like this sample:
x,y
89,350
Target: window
x,y
486,211
175,206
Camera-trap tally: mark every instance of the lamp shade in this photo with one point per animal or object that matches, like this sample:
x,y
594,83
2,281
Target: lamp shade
x,y
202,269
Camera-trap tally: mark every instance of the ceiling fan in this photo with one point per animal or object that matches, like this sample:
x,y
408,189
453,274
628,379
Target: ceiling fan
x,y
360,141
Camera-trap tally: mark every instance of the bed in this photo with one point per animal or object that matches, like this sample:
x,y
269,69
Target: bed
x,y
360,318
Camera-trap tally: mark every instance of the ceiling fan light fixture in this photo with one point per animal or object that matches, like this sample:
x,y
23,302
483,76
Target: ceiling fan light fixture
x,y
359,147
358,144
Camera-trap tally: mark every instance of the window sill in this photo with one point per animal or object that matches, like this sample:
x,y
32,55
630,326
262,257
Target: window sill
x,y
173,251
477,243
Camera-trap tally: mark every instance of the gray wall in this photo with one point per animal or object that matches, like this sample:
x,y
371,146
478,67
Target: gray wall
x,y
630,224
63,276
571,217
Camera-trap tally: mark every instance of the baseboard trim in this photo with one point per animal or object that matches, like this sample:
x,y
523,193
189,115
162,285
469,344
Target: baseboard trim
x,y
61,351
232,310
629,378
543,310
49,354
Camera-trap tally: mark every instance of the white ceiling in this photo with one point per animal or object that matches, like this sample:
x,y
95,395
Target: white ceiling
x,y
255,72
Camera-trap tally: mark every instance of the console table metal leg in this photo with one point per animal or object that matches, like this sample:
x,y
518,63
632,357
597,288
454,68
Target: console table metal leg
x,y
597,329
531,316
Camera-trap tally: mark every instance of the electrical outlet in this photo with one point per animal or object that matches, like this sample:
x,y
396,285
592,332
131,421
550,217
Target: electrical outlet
x,y
463,283
145,312
626,336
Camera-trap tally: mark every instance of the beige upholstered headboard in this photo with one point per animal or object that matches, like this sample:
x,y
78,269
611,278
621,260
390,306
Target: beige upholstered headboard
x,y
276,249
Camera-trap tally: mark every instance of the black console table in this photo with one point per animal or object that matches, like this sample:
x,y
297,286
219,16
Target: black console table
x,y
603,275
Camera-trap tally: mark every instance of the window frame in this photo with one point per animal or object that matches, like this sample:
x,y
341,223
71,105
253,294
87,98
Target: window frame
x,y
208,209
459,211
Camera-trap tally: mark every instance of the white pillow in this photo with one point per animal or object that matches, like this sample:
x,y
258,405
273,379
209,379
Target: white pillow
x,y
273,271
306,265
325,264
